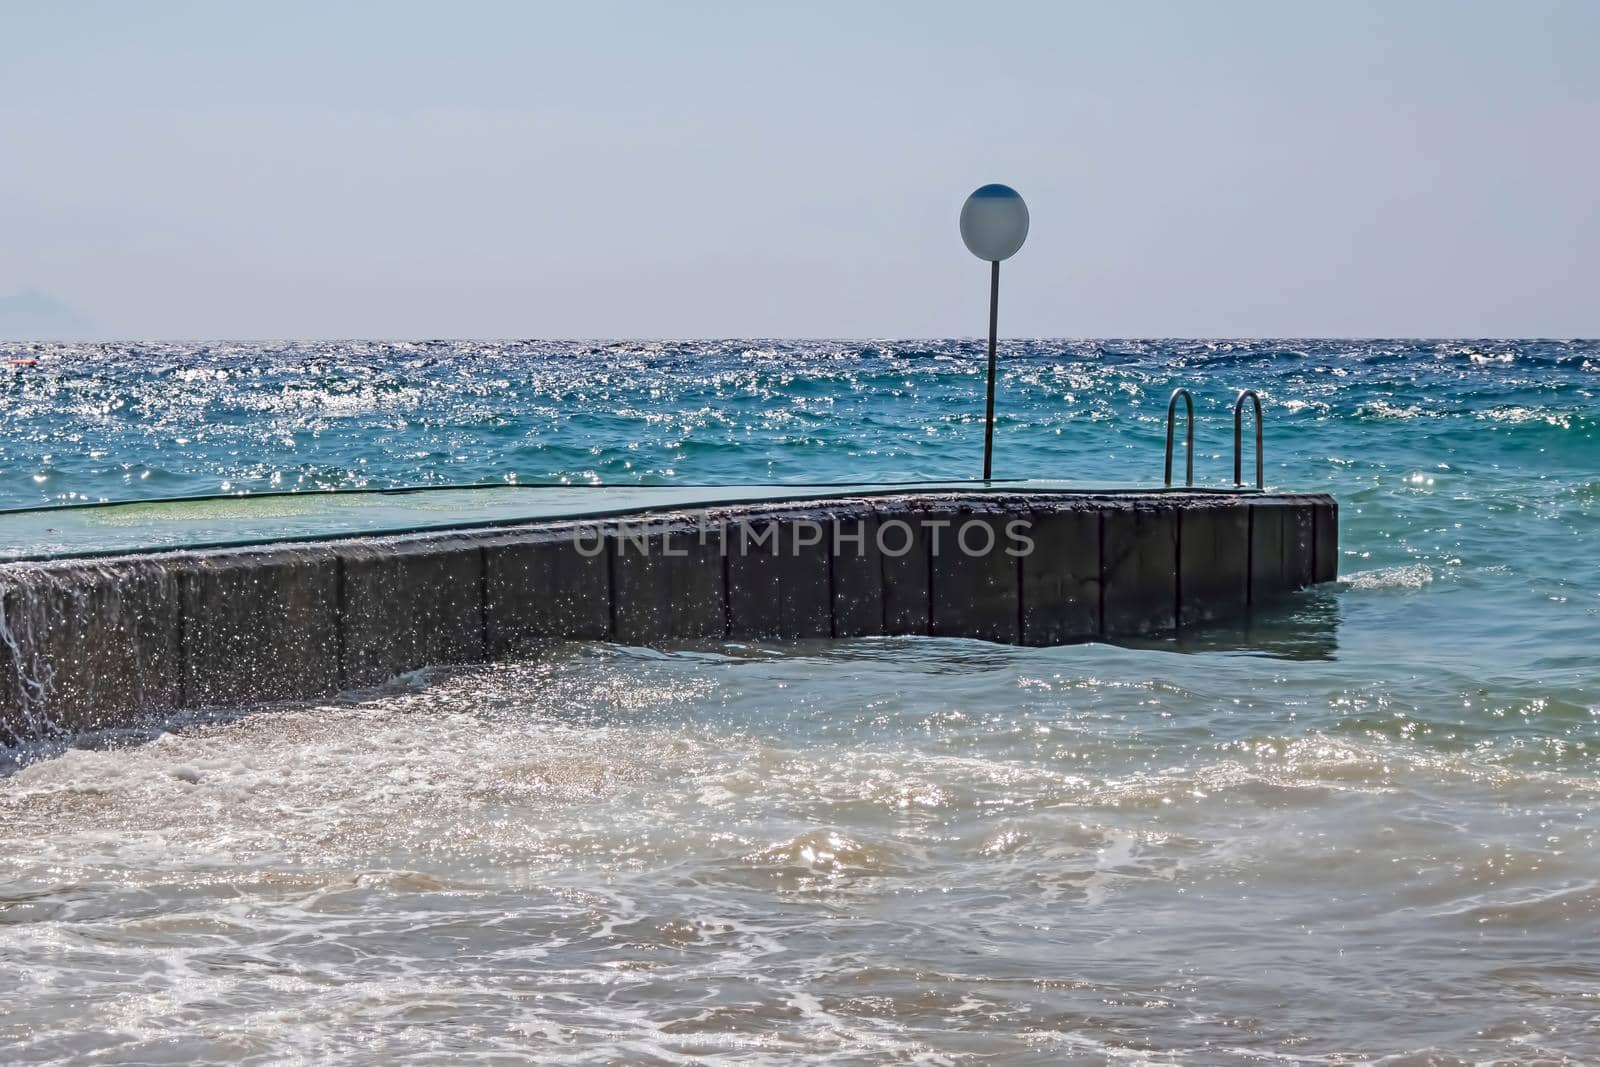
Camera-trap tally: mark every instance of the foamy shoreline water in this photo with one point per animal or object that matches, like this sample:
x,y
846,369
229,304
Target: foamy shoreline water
x,y
1357,830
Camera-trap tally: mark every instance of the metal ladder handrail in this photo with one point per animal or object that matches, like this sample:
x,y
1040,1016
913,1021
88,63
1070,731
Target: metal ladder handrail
x,y
1238,438
1188,434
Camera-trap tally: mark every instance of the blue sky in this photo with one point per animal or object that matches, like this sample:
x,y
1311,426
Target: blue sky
x,y
199,170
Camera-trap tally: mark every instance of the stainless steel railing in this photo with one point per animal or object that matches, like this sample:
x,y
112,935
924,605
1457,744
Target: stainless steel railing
x,y
1188,434
1238,438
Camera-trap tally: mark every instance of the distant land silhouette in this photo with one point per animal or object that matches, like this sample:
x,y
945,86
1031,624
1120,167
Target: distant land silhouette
x,y
30,315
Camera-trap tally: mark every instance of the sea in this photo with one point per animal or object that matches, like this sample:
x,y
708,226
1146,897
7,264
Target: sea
x,y
1356,830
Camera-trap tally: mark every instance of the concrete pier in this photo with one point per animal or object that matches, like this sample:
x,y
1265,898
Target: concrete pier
x,y
97,644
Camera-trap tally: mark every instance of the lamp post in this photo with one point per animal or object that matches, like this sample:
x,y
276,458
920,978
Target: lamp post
x,y
994,223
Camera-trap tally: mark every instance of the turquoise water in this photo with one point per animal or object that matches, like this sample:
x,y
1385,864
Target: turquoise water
x,y
1360,828
122,421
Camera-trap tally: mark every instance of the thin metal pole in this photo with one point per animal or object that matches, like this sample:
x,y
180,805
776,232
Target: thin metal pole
x,y
988,417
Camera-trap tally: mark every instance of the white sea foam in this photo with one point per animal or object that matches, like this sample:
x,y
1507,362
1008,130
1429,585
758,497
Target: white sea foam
x,y
846,856
1410,576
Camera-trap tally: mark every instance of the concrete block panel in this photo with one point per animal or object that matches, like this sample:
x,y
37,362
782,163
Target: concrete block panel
x,y
1061,577
15,721
1266,552
90,645
1326,539
857,593
546,584
1139,569
1299,545
1213,563
1270,536
901,546
667,582
779,576
409,604
975,575
261,625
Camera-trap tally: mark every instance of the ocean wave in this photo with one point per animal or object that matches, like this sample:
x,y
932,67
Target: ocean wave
x,y
1411,576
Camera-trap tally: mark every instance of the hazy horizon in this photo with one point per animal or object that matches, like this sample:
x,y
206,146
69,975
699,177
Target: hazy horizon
x,y
798,339
617,171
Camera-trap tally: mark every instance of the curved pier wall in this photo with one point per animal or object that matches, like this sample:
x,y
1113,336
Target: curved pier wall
x,y
96,644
